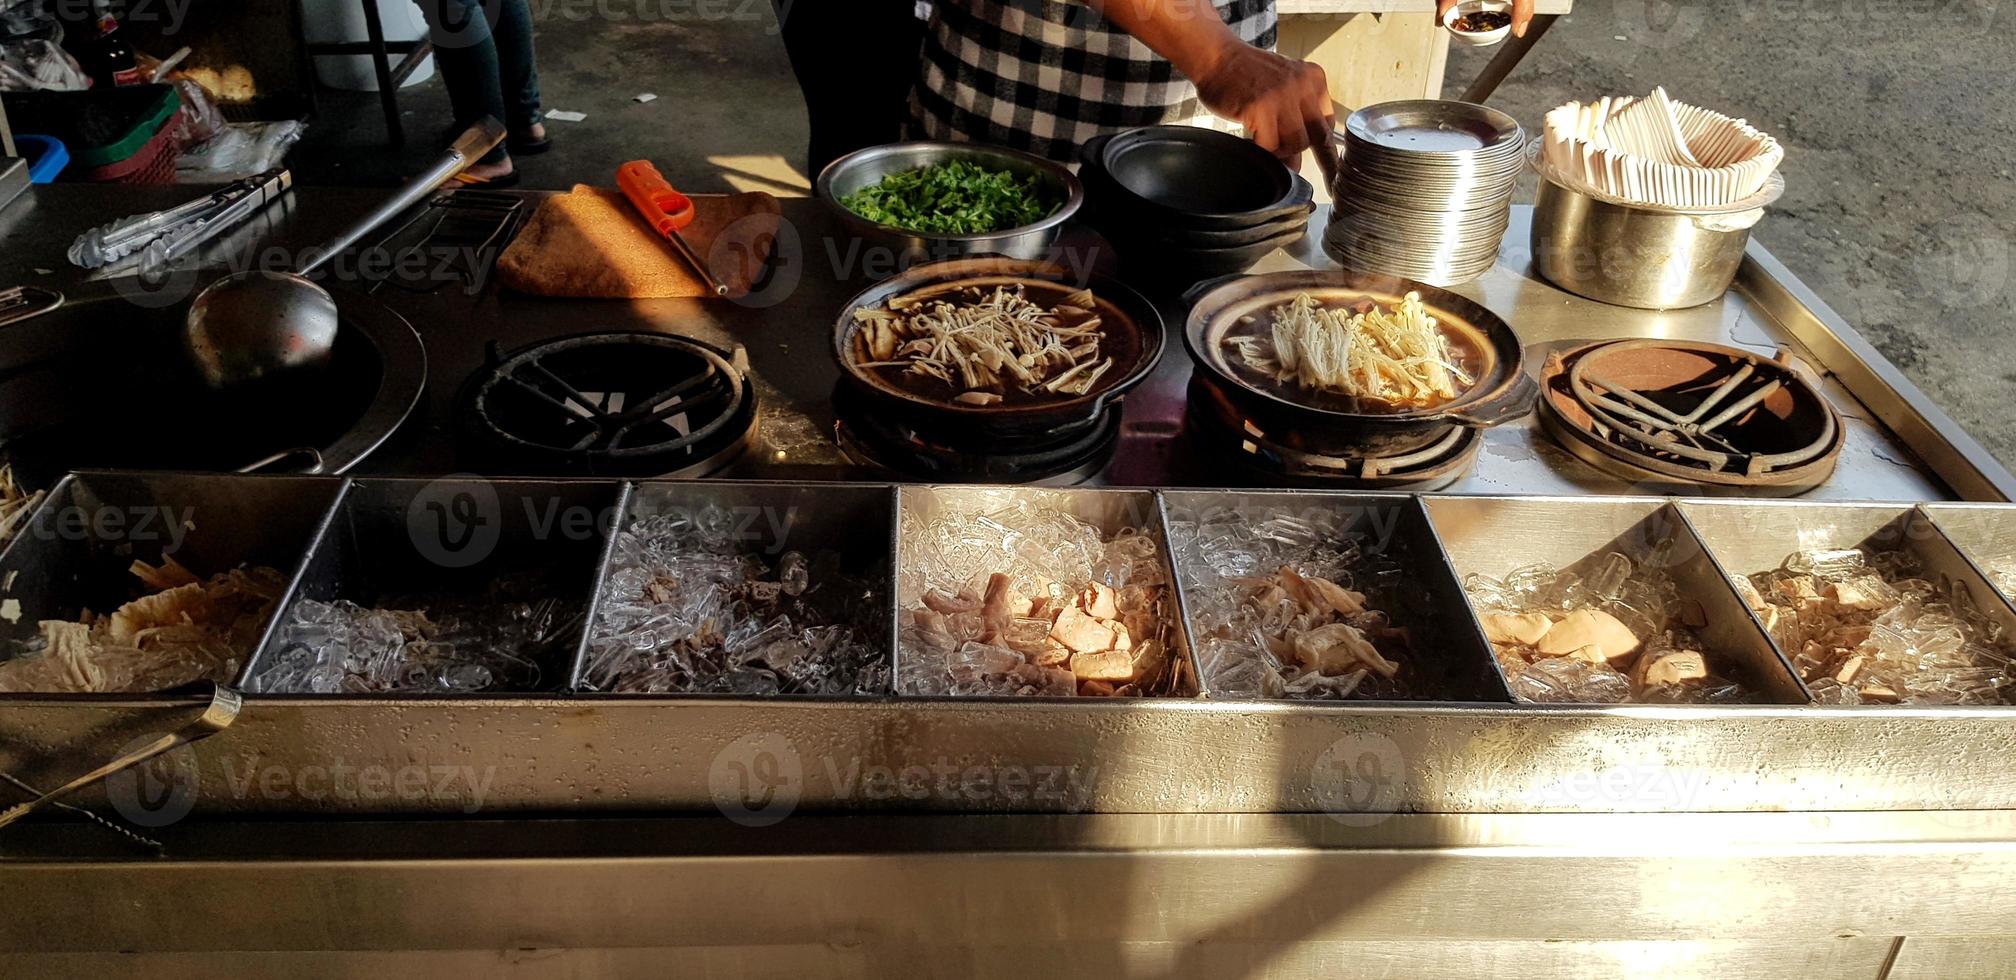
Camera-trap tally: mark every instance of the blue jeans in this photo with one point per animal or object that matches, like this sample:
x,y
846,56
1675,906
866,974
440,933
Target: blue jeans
x,y
484,48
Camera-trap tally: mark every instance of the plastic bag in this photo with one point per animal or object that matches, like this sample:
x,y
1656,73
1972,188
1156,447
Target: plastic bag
x,y
23,19
241,150
200,121
27,66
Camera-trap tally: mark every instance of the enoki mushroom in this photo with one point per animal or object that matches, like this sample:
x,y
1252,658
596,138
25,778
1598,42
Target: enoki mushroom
x,y
1394,356
988,343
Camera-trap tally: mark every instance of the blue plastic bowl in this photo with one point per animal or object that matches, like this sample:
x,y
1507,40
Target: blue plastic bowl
x,y
46,156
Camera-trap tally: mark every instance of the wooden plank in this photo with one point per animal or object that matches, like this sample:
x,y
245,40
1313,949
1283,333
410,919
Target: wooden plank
x,y
1371,59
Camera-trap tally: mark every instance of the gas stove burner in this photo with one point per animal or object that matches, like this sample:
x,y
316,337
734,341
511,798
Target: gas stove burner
x,y
612,404
1066,457
1215,436
1693,413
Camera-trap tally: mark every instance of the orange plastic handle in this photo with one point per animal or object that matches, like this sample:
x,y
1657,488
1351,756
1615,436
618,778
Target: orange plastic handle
x,y
667,210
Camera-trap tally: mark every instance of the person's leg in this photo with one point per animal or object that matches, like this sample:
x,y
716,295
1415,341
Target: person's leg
x,y
466,52
855,61
517,69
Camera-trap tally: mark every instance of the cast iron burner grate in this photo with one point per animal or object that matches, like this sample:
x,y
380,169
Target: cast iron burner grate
x,y
1676,411
614,404
1064,457
1215,436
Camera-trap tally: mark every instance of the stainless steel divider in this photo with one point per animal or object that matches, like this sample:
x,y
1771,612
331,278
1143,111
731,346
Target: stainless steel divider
x,y
1986,534
323,525
376,541
784,509
619,518
1742,607
1498,535
1109,510
1756,536
1441,617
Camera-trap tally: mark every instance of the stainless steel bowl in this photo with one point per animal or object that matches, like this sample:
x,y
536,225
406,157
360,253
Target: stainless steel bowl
x,y
863,168
1636,255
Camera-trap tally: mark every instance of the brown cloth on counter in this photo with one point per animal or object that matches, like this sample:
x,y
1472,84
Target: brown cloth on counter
x,y
590,243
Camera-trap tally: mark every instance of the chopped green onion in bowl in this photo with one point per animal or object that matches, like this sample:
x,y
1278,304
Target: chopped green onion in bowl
x,y
957,197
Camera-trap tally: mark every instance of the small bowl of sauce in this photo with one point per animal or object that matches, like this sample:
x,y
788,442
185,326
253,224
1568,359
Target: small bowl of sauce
x,y
1479,23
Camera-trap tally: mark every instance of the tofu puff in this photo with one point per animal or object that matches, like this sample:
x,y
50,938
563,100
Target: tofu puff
x,y
1031,631
1611,632
184,629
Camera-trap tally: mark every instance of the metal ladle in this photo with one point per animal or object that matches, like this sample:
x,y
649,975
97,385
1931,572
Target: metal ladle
x,y
252,325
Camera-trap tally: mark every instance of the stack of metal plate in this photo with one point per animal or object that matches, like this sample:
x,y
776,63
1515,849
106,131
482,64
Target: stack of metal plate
x,y
1425,190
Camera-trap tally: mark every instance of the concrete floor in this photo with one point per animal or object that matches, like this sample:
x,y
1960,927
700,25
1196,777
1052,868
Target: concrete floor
x,y
1900,210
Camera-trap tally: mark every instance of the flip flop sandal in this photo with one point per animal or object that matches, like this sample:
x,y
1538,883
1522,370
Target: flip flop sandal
x,y
500,183
527,146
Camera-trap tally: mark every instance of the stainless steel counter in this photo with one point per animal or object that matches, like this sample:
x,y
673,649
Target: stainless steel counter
x,y
1899,445
932,837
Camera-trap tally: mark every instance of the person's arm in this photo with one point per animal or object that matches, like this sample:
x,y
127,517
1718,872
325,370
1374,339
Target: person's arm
x,y
1283,103
1522,13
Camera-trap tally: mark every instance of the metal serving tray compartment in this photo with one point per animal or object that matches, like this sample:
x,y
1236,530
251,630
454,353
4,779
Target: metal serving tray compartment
x,y
1748,537
551,752
1987,534
1108,510
848,528
1448,656
1496,536
74,553
452,537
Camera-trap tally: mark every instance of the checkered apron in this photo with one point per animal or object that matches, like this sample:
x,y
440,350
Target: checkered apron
x,y
1046,75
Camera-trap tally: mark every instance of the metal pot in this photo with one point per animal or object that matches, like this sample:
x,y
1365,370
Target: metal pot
x,y
865,168
1503,391
1634,255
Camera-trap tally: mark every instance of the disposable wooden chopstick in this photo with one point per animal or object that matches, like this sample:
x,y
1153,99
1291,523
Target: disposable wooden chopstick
x,y
1659,151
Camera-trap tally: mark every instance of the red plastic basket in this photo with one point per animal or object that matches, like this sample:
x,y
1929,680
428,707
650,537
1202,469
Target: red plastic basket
x,y
153,164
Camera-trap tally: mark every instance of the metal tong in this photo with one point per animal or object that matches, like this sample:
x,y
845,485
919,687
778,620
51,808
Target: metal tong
x,y
164,236
223,709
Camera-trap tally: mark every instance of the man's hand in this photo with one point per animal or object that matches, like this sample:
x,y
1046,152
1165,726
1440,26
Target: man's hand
x,y
1522,14
1283,103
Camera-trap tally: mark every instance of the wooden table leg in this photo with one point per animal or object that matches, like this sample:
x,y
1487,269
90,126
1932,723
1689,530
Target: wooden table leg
x,y
381,62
